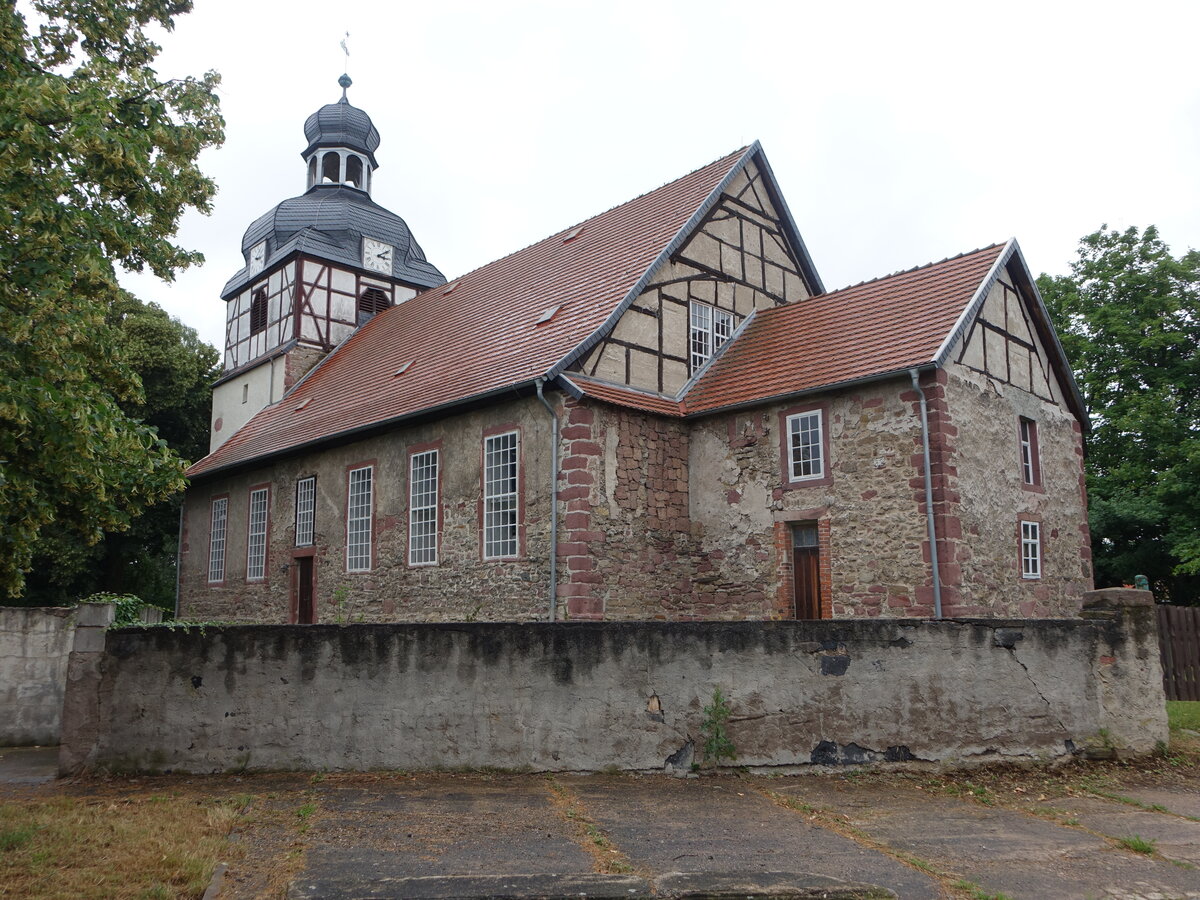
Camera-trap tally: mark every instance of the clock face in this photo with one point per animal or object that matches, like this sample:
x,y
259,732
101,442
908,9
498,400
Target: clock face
x,y
258,256
377,255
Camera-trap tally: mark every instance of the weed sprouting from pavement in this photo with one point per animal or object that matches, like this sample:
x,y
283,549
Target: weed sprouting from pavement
x,y
1138,844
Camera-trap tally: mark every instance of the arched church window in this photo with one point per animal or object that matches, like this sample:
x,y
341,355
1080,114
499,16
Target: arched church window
x,y
371,301
354,171
331,168
258,311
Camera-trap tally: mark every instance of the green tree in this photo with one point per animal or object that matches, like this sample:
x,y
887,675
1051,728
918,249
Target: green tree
x,y
1129,317
177,370
97,164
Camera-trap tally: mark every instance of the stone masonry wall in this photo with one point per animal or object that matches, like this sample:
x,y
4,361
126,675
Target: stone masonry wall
x,y
586,696
986,571
462,587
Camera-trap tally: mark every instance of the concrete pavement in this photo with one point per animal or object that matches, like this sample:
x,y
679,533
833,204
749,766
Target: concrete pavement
x,y
1084,832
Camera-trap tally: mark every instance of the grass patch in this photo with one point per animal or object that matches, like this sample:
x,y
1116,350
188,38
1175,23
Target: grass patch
x,y
608,858
975,892
66,848
1183,714
1138,845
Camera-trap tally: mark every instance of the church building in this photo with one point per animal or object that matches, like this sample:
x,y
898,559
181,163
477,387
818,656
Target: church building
x,y
659,413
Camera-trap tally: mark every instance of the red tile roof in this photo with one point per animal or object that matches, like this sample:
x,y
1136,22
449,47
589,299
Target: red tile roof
x,y
621,395
481,337
868,330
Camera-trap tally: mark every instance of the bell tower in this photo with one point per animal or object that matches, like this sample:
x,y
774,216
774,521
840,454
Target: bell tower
x,y
318,266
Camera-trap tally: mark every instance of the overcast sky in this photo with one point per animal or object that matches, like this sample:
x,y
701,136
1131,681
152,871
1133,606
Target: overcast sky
x,y
901,133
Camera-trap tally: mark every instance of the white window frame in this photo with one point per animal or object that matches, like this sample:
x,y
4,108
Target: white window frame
x,y
1030,464
360,503
708,328
424,472
257,511
219,520
306,511
501,495
799,427
1031,549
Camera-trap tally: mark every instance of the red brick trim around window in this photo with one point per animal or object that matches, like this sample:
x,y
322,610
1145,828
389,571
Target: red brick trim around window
x,y
785,454
411,451
266,576
361,464
1035,455
492,431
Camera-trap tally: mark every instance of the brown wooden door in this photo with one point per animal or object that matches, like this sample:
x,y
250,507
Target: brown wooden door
x,y
806,572
306,612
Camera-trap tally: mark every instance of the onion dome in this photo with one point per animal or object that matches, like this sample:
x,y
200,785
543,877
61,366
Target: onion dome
x,y
341,125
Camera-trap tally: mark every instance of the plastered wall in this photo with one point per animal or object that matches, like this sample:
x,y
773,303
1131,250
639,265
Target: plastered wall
x,y
586,696
35,643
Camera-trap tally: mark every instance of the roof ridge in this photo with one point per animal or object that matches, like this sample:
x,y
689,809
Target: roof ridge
x,y
900,272
735,154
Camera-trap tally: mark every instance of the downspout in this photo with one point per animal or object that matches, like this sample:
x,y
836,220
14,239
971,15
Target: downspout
x,y
930,526
179,555
553,499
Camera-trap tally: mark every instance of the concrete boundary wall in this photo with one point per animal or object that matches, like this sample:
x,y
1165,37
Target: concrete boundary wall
x,y
35,643
585,696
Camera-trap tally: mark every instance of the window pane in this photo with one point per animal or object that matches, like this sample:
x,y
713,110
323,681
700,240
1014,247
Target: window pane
x,y
422,509
804,436
1031,550
500,511
358,521
216,542
306,501
256,543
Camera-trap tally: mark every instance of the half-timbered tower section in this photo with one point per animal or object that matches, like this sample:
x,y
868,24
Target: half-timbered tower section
x,y
657,414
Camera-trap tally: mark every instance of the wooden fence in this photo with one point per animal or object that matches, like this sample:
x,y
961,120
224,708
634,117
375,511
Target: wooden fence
x,y
1179,641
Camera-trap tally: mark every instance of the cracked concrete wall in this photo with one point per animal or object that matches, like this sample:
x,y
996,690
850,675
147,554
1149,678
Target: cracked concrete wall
x,y
585,696
35,643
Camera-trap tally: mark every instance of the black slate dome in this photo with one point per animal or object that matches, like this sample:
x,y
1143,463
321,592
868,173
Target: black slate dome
x,y
329,221
341,125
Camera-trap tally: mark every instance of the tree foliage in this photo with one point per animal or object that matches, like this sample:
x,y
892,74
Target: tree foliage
x,y
177,371
97,164
1129,317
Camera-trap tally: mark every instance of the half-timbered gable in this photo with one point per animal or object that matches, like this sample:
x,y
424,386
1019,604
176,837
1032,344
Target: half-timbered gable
x,y
743,254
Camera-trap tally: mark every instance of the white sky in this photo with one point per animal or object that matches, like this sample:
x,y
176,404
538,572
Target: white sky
x,y
900,132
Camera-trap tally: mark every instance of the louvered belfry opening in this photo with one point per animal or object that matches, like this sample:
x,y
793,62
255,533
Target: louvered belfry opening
x,y
258,311
371,301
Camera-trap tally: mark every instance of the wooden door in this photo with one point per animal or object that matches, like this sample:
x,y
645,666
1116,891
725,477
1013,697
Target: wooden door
x,y
306,611
806,572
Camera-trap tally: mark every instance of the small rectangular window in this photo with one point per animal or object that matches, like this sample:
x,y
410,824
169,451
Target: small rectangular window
x,y
500,511
1031,550
306,509
358,519
422,509
806,455
1031,472
256,538
709,328
216,540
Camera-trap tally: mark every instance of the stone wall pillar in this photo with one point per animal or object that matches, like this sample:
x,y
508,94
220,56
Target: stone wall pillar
x,y
84,713
1128,671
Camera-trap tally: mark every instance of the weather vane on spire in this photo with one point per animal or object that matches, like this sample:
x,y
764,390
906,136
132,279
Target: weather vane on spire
x,y
345,81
